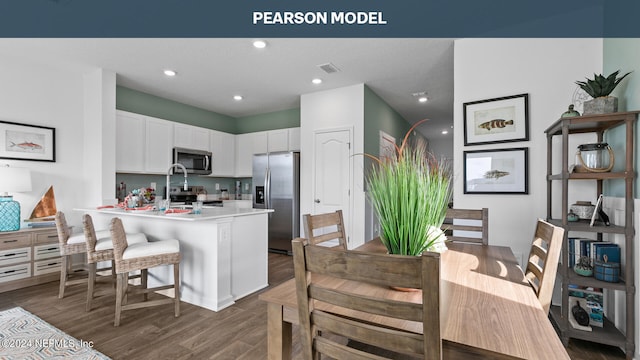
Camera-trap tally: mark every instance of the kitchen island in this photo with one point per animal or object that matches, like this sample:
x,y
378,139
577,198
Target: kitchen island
x,y
224,250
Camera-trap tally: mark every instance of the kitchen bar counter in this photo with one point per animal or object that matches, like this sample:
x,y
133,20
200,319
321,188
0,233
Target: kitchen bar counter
x,y
224,250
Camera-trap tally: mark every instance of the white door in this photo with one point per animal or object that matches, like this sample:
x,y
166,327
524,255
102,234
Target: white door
x,y
332,174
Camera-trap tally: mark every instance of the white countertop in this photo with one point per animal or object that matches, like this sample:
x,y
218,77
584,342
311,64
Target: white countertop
x,y
209,213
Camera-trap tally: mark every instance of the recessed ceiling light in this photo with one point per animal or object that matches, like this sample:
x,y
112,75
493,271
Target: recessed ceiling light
x,y
317,81
169,72
237,97
445,132
259,44
423,99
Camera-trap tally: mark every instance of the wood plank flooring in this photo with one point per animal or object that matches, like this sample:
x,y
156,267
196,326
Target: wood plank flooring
x,y
238,332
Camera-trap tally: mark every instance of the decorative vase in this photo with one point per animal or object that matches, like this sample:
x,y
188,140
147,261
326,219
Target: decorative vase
x,y
601,105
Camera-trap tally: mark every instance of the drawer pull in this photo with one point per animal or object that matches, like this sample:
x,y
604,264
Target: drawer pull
x,y
7,255
53,248
51,264
52,236
9,271
10,241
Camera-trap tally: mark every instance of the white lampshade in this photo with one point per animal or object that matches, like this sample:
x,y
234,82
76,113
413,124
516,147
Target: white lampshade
x,y
14,179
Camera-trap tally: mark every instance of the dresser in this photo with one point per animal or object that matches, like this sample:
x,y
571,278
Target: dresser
x,y
29,257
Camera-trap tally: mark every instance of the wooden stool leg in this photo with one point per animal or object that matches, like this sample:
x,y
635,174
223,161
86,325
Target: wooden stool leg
x,y
144,277
113,272
176,289
63,276
91,284
120,288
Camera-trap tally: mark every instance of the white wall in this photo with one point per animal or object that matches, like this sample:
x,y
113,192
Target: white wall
x,y
333,109
546,69
40,94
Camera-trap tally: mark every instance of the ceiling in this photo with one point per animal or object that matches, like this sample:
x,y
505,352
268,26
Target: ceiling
x,y
211,71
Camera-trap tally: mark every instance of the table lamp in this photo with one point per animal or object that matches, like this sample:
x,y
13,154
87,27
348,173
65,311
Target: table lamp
x,y
12,180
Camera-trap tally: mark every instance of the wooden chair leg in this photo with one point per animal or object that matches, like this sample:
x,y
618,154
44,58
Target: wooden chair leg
x,y
144,278
125,285
176,289
113,272
63,276
120,288
91,285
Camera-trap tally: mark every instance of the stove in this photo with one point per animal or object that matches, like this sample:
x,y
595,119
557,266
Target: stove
x,y
178,195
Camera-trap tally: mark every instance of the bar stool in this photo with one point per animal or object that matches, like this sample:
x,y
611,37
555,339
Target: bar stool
x,y
70,244
142,256
99,247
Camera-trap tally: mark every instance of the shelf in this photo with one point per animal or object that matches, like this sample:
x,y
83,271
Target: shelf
x,y
592,176
608,334
583,225
590,123
575,279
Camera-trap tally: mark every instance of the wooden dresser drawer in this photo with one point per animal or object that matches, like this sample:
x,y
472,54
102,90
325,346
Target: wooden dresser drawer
x,y
11,241
46,251
15,272
15,256
47,266
46,237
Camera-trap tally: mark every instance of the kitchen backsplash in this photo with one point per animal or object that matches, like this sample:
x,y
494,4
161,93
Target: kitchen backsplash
x,y
137,181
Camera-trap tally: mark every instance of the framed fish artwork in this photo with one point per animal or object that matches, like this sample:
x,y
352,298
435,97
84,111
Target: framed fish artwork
x,y
503,171
498,120
27,142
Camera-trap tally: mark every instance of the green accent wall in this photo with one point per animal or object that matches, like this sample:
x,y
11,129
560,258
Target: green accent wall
x,y
269,121
151,105
378,115
623,55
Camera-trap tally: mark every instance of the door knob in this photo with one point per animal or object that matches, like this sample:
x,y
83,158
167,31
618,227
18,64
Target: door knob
x,y
317,201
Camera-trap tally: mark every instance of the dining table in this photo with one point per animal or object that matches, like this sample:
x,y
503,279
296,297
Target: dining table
x,y
488,309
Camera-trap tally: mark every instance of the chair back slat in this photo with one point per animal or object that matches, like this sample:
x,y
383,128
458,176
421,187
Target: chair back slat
x,y
325,227
314,265
471,221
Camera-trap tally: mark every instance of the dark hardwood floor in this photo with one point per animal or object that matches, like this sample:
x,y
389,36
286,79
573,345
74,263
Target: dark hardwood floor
x,y
238,332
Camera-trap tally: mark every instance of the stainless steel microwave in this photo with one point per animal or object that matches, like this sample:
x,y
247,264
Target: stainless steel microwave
x,y
195,161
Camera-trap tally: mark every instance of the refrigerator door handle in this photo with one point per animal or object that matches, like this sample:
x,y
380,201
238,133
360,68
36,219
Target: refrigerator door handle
x,y
267,188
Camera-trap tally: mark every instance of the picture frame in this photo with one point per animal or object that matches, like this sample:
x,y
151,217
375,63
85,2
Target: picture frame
x,y
498,120
27,142
498,171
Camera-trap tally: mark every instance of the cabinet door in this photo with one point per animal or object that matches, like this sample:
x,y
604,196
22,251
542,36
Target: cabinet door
x,y
278,140
294,139
158,149
223,153
191,137
246,146
130,142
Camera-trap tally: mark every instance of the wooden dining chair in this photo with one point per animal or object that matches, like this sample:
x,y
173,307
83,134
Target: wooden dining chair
x,y
474,223
70,244
319,327
325,227
543,261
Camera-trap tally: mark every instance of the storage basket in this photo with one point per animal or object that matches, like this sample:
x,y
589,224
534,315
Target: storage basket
x,y
606,271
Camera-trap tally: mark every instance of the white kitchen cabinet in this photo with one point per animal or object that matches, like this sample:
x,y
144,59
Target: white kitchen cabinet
x,y
158,154
278,140
294,139
223,153
191,137
246,146
130,142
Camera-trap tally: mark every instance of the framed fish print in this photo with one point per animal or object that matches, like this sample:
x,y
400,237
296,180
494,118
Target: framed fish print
x,y
27,142
496,120
503,171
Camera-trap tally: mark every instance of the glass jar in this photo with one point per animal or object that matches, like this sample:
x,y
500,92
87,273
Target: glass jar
x,y
596,157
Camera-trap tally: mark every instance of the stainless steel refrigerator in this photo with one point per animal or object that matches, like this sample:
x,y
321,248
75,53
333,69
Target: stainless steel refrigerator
x,y
276,185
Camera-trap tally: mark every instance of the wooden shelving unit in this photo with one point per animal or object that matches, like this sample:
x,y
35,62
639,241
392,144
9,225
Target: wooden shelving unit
x,y
597,124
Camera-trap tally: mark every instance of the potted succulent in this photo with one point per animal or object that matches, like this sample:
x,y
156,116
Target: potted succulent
x,y
410,193
599,88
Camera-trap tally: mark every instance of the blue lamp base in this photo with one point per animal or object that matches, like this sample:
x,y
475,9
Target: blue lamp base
x,y
9,214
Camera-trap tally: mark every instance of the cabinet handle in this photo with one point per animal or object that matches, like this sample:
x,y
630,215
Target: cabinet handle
x,y
52,264
53,248
9,271
10,241
7,255
52,236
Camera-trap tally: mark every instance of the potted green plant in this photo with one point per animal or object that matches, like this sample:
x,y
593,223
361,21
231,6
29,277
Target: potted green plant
x,y
410,193
599,88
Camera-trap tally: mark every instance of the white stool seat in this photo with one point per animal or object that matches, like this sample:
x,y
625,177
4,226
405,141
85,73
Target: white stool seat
x,y
105,243
150,248
80,238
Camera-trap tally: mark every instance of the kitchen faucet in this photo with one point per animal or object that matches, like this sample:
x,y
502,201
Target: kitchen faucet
x,y
186,185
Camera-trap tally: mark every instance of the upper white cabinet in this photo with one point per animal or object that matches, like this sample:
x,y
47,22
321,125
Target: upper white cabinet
x,y
278,140
190,137
158,148
294,139
143,143
223,153
263,142
130,142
